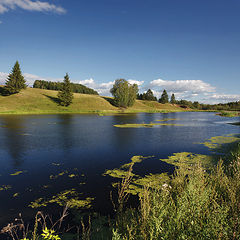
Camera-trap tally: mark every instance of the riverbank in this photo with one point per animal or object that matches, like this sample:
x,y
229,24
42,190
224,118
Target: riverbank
x,y
229,113
40,101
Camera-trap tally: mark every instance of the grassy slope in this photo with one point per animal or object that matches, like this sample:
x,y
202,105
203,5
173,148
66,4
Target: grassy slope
x,y
45,101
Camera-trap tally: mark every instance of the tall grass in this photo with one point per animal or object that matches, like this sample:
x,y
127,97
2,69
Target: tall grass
x,y
195,204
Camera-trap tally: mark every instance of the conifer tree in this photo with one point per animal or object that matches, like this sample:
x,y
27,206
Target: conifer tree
x,y
15,81
164,97
65,96
173,99
149,96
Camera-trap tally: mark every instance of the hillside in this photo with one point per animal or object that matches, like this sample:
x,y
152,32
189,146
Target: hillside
x,y
40,101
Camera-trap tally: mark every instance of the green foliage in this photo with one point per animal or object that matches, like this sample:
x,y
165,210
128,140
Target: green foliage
x,y
173,99
229,114
124,93
164,98
49,234
147,96
65,96
75,87
193,204
15,82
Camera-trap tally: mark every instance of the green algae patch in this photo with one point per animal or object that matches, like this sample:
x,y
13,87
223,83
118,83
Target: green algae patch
x,y
123,171
221,143
138,183
16,173
167,119
15,195
145,125
66,198
118,173
72,175
58,175
135,159
188,159
5,187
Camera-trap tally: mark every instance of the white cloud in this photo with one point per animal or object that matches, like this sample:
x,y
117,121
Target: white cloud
x,y
132,81
3,77
224,98
181,86
29,5
1,22
101,88
88,82
30,78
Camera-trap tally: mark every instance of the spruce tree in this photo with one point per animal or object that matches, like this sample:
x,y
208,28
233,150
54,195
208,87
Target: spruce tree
x,y
65,96
164,97
173,99
15,81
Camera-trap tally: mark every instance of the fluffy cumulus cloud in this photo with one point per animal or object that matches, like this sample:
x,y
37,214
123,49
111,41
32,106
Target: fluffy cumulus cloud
x,y
181,86
216,98
193,90
139,83
30,78
104,88
29,5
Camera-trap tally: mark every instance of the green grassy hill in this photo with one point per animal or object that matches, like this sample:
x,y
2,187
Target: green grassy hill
x,y
39,101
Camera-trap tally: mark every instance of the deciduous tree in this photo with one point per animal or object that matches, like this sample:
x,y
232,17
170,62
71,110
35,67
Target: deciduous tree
x,y
124,93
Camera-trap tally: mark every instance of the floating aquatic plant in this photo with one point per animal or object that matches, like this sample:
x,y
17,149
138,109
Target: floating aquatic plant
x,y
188,159
16,173
5,187
66,198
145,125
220,143
58,175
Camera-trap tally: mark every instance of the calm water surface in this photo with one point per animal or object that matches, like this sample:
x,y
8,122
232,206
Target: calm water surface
x,y
87,145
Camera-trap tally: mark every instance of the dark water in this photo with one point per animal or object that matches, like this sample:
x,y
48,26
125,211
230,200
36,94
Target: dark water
x,y
90,144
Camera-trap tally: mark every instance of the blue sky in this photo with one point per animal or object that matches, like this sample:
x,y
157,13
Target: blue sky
x,y
191,48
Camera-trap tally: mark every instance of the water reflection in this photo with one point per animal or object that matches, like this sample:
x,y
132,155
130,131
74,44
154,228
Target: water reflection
x,y
124,137
14,131
65,131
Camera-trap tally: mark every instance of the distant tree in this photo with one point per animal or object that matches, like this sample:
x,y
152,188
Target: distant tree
x,y
65,96
124,93
196,105
173,99
15,81
164,97
140,96
75,87
149,96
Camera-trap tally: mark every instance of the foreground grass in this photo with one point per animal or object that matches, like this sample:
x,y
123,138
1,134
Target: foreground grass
x,y
191,204
40,101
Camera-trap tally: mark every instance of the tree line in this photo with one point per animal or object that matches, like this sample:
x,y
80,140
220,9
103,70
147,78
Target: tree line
x,y
123,92
57,86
